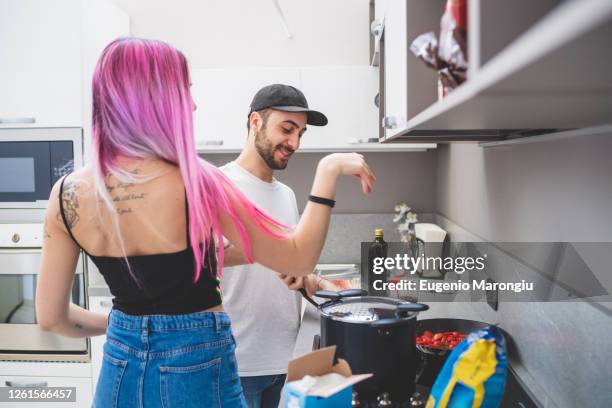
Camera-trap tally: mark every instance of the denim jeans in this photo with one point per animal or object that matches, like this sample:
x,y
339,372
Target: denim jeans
x,y
169,361
263,391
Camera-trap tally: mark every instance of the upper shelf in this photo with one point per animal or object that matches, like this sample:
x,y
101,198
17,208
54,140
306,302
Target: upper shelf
x,y
358,147
557,75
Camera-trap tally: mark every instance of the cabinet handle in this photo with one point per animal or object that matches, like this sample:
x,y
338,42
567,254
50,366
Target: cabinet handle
x,y
391,122
213,142
376,28
352,140
17,120
106,303
17,384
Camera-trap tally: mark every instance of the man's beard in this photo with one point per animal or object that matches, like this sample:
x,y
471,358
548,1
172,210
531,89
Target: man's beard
x,y
266,150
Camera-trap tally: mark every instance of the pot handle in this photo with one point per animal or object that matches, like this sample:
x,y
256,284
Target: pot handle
x,y
332,295
405,308
308,298
353,293
401,311
391,322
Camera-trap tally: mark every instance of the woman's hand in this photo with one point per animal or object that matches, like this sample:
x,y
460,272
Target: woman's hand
x,y
349,164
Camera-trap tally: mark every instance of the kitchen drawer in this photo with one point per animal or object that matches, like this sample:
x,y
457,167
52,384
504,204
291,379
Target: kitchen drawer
x,y
83,391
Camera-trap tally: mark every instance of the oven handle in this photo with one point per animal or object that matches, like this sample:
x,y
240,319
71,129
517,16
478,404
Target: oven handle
x,y
32,251
20,251
18,384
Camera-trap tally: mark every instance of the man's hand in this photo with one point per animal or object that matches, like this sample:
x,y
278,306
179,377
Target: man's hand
x,y
311,283
233,256
292,282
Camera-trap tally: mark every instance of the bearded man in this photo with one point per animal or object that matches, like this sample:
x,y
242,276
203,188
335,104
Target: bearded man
x,y
266,310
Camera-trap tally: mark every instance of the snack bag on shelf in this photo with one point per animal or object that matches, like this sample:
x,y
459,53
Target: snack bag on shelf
x,y
453,36
448,54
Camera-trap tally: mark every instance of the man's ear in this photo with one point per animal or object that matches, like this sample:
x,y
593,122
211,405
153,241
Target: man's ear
x,y
254,122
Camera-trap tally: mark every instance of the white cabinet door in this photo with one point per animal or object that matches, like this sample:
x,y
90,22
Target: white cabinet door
x,y
346,96
379,9
395,64
101,23
40,61
99,304
223,97
82,385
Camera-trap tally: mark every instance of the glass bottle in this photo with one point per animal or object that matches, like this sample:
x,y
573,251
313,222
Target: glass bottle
x,y
377,249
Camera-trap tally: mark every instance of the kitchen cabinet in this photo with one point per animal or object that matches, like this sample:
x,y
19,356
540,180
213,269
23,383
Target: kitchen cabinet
x,y
535,67
40,73
395,52
18,373
82,388
102,22
223,97
409,86
48,51
344,94
99,304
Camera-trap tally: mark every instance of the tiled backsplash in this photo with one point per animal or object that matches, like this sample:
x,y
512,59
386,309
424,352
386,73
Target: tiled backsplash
x,y
347,231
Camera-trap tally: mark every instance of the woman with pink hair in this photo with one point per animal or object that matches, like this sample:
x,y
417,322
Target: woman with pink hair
x,y
150,214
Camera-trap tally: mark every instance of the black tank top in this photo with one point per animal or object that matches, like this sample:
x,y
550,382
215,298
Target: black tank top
x,y
158,283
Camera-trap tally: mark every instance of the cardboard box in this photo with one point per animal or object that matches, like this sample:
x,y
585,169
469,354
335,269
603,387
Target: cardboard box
x,y
336,393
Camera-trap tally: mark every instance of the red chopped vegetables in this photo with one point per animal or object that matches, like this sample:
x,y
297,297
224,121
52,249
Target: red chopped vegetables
x,y
443,340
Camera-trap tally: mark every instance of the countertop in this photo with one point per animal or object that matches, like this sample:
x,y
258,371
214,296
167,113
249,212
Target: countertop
x,y
308,329
99,290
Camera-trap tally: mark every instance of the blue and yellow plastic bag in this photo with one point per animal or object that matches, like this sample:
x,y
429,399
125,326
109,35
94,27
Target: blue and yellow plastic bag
x,y
474,375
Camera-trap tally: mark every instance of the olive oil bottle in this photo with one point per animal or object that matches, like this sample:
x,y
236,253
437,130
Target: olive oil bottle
x,y
375,274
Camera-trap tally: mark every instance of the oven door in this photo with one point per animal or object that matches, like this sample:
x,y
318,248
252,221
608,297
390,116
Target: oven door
x,y
32,160
20,336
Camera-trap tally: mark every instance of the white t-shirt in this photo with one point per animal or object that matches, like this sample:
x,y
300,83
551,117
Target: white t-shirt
x,y
265,313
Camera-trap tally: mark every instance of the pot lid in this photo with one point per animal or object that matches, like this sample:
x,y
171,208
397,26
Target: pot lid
x,y
364,309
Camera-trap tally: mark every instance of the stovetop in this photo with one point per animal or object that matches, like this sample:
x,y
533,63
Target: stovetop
x,y
515,396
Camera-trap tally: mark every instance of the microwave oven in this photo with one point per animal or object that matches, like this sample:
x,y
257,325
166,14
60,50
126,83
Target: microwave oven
x,y
32,160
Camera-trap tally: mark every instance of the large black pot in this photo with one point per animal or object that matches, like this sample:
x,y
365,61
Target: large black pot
x,y
432,360
374,335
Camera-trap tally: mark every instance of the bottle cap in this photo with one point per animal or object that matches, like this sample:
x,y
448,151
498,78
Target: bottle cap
x,y
378,232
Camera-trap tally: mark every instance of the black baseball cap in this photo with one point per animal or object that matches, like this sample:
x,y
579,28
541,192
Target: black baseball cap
x,y
288,99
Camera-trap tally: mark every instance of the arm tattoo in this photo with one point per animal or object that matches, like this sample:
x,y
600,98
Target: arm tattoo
x,y
78,326
70,204
46,231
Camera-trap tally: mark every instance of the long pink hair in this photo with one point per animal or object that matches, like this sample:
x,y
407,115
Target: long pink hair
x,y
142,109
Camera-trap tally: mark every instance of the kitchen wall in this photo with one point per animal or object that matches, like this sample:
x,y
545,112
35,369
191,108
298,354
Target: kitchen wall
x,y
408,177
558,190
